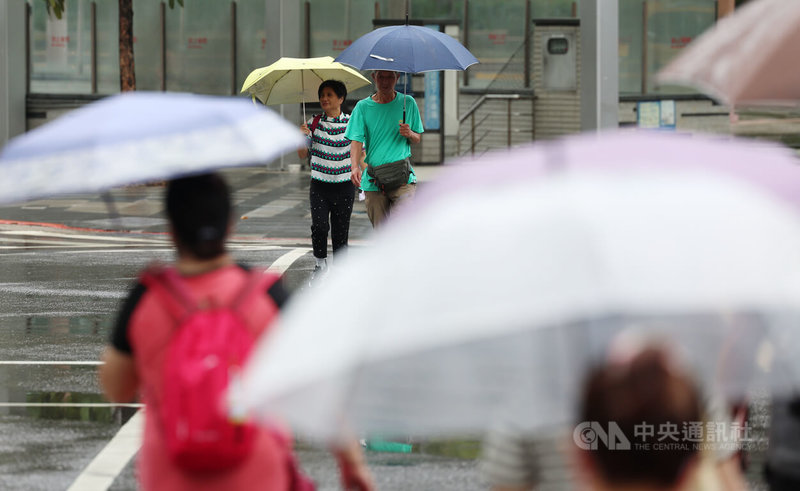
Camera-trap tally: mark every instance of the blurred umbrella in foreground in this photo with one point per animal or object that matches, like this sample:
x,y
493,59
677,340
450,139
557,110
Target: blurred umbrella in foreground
x,y
137,137
747,58
509,275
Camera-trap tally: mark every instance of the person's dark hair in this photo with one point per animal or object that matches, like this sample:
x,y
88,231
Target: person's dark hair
x,y
335,85
645,390
199,209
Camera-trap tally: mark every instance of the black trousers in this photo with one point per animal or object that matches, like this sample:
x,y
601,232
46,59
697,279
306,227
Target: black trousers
x,y
331,207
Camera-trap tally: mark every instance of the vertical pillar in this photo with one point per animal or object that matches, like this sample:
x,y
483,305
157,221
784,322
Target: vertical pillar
x,y
12,68
284,38
600,64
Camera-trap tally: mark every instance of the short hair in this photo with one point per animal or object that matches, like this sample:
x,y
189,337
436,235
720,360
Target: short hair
x,y
199,210
645,390
335,85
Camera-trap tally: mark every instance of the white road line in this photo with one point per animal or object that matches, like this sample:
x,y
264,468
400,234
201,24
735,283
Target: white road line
x,y
30,250
284,262
29,290
103,238
51,362
107,465
51,242
102,471
68,404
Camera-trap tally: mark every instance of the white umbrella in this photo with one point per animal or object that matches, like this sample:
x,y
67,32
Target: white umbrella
x,y
509,276
137,137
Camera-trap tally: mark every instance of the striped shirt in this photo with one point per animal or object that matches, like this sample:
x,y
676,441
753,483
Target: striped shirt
x,y
330,150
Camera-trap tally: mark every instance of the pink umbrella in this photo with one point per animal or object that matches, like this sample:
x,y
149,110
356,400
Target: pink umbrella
x,y
748,58
512,273
759,163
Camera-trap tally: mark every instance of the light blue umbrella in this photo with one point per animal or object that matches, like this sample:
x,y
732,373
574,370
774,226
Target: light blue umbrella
x,y
137,137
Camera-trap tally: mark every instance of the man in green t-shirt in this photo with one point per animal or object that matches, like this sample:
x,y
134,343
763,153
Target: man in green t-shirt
x,y
377,123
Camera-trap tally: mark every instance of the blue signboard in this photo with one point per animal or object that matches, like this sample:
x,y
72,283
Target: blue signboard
x,y
433,101
433,97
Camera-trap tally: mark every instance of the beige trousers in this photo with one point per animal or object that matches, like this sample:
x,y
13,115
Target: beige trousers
x,y
379,205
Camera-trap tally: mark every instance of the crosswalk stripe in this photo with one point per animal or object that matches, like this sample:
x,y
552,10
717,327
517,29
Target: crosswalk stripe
x,y
62,292
284,262
106,466
69,404
51,362
13,240
105,238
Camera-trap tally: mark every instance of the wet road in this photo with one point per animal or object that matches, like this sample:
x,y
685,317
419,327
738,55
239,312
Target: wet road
x,y
59,293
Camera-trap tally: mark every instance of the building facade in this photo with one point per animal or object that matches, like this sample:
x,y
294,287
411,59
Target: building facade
x,y
209,46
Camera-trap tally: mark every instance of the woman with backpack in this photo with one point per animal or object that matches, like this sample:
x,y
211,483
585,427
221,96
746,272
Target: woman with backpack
x,y
331,193
166,348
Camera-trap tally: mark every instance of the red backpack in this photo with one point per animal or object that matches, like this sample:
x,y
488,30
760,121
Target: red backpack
x,y
208,348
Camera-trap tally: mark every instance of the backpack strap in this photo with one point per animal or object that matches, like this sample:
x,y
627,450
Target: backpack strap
x,y
315,123
258,281
179,301
171,290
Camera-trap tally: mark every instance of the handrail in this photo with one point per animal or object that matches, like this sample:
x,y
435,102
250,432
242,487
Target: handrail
x,y
470,113
477,104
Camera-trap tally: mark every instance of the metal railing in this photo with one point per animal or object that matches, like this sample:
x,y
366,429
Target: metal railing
x,y
478,133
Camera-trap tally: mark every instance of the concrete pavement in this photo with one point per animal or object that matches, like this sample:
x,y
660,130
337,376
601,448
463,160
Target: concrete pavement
x,y
270,205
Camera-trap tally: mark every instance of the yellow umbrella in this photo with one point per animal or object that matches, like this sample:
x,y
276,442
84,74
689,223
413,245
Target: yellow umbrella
x,y
290,80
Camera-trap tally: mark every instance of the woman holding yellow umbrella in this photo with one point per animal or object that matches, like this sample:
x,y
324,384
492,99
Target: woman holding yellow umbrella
x,y
331,192
292,80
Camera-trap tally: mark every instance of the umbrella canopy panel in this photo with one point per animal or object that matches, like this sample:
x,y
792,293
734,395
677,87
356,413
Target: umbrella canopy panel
x,y
410,49
291,80
748,58
139,136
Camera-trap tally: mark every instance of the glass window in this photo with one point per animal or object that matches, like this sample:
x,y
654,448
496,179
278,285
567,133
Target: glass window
x,y
60,49
146,43
251,38
495,36
653,32
199,47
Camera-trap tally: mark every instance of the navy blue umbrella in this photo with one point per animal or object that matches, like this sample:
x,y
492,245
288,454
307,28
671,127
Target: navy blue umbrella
x,y
409,49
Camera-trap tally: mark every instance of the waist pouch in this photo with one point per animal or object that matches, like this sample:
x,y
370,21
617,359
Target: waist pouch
x,y
391,176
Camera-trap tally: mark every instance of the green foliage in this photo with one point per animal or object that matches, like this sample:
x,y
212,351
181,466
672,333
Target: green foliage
x,y
55,7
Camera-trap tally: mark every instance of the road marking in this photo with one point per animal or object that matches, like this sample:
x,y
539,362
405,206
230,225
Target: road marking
x,y
69,404
106,466
29,290
284,262
94,237
51,362
102,471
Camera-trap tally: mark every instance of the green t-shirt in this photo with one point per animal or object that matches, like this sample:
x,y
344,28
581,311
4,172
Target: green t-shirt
x,y
377,126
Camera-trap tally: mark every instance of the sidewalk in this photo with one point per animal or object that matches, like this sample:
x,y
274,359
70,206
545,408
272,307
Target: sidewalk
x,y
269,205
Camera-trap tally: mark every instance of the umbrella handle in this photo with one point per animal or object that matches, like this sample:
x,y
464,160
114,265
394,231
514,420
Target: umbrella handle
x,y
405,85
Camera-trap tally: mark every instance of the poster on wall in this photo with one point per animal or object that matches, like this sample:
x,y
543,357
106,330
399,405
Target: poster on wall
x,y
57,40
656,114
